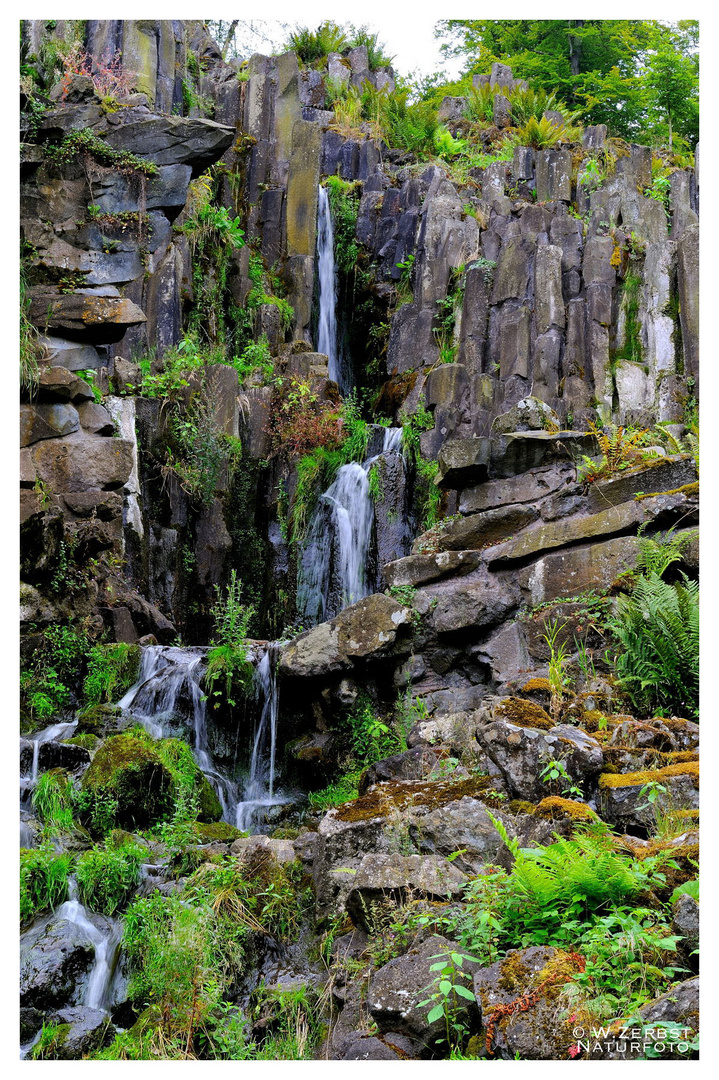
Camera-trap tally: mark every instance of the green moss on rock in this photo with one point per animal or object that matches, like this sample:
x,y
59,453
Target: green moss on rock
x,y
134,782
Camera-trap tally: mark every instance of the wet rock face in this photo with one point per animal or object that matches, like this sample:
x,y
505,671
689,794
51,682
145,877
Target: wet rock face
x,y
55,958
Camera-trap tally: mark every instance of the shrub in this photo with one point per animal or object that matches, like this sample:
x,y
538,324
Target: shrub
x,y
84,143
344,197
657,629
107,877
43,880
109,77
255,356
300,420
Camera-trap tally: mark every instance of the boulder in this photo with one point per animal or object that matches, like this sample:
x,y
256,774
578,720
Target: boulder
x,y
60,384
130,771
534,978
95,418
397,989
46,422
685,922
384,881
472,605
423,569
83,1032
81,462
529,414
95,318
624,518
462,462
528,487
372,629
464,826
476,531
282,851
678,1007
54,958
578,569
520,753
414,764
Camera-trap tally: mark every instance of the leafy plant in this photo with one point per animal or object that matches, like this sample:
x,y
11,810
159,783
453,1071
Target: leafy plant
x,y
555,773
447,987
558,679
227,662
657,631
620,449
314,45
544,133
82,142
111,671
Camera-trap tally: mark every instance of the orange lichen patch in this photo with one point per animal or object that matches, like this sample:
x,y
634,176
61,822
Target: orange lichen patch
x,y
689,768
386,798
554,806
524,713
548,983
537,686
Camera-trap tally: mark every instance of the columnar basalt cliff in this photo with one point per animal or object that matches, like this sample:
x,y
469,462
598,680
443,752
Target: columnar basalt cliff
x,y
439,540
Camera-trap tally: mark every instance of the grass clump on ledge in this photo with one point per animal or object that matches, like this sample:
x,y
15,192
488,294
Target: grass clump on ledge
x,y
43,880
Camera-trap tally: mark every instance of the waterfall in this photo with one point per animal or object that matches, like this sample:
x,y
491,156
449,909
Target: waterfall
x,y
259,791
106,944
334,570
169,682
327,277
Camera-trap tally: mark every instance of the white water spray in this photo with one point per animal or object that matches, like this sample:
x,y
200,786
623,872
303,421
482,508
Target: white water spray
x,y
334,572
327,277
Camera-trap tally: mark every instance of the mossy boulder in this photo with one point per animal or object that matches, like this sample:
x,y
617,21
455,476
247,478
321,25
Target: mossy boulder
x,y
623,803
134,782
519,1000
217,832
97,720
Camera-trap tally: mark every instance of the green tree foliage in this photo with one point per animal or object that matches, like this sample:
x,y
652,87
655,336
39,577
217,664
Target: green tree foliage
x,y
626,73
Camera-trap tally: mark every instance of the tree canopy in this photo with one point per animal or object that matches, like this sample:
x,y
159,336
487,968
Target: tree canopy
x,y
638,76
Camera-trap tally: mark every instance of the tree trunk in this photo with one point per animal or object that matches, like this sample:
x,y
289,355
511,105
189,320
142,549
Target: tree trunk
x,y
575,47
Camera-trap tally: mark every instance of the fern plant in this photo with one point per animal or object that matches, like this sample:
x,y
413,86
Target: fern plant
x,y
620,449
657,631
584,873
544,133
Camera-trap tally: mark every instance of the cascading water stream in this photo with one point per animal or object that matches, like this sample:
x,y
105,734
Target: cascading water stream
x,y
259,792
334,568
98,991
168,677
327,278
